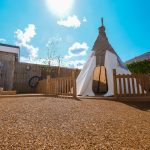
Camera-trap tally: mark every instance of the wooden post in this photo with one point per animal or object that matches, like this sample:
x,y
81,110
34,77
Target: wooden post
x,y
129,86
70,85
147,82
9,77
13,74
142,84
74,85
137,84
58,72
124,85
57,86
120,86
115,82
47,85
133,84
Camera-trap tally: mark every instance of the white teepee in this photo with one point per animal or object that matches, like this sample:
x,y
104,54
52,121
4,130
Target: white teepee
x,y
103,55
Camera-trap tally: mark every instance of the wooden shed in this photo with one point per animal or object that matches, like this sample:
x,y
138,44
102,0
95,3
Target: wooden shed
x,y
8,55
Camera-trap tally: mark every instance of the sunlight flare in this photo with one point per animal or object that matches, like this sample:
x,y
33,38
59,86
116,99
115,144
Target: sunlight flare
x,y
59,7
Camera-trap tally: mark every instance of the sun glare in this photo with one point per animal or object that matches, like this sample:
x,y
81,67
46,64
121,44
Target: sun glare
x,y
59,7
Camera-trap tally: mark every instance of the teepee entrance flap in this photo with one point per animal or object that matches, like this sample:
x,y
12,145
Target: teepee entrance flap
x,y
99,80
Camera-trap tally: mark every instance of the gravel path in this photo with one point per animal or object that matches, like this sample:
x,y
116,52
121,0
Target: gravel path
x,y
60,124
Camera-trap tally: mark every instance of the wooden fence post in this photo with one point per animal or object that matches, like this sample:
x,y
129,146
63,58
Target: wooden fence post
x,y
74,85
115,82
13,72
47,85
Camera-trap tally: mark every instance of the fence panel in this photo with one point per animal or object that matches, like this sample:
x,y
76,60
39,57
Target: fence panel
x,y
41,88
131,85
62,86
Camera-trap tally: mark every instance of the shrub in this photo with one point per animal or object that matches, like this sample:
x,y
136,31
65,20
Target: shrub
x,y
140,67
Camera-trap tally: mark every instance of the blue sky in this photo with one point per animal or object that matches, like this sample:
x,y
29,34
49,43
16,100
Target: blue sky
x,y
32,24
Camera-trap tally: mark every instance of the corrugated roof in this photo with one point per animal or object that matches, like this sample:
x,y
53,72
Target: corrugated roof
x,y
145,56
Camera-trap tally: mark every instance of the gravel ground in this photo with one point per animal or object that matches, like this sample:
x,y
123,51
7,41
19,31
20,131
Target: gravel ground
x,y
65,124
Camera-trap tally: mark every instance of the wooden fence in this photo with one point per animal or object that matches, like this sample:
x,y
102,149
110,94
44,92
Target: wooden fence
x,y
41,88
61,86
131,85
16,75
23,72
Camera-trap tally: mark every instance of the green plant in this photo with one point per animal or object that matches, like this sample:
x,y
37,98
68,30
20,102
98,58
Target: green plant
x,y
140,67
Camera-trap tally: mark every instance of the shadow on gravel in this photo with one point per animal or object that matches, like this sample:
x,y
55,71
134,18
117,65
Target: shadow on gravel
x,y
77,99
144,106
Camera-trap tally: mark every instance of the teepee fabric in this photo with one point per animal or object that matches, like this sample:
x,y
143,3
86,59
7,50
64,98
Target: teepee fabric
x,y
111,62
102,45
85,78
102,55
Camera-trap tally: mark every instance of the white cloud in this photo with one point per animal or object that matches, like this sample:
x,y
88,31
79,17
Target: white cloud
x,y
43,61
84,19
33,51
71,64
71,21
24,59
77,49
2,40
31,60
24,38
27,35
75,64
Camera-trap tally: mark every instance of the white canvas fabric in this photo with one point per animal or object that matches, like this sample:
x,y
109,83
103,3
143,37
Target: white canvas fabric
x,y
103,54
85,78
111,62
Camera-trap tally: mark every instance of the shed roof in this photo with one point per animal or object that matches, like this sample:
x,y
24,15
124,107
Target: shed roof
x,y
9,48
145,56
